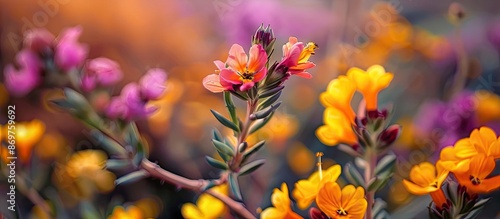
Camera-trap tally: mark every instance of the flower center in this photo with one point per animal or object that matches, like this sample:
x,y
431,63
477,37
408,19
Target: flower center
x,y
246,75
475,181
342,212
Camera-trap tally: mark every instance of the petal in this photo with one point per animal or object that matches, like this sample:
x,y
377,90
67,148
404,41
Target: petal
x,y
237,58
481,166
482,138
190,210
220,65
272,213
229,76
464,148
491,184
257,59
416,189
423,174
304,193
212,83
247,86
494,149
329,199
260,75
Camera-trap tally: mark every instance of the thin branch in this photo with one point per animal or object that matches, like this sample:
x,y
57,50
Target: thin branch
x,y
195,185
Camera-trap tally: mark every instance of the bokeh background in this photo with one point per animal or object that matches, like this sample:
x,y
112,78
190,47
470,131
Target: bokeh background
x,y
416,40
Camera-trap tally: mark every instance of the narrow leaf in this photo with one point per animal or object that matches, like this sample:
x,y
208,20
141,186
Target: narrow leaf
x,y
353,175
224,121
118,164
108,144
260,123
256,147
250,167
265,112
234,187
270,92
132,177
228,100
223,148
385,164
215,163
269,101
216,135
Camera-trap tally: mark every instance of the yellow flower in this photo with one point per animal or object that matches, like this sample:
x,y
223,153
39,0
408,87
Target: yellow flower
x,y
306,190
488,106
425,179
481,141
132,212
207,206
370,83
281,205
451,162
27,135
475,178
349,202
337,128
339,94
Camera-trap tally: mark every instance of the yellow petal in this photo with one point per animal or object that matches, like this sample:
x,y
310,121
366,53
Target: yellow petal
x,y
482,138
272,213
190,210
416,189
481,166
423,174
464,148
329,199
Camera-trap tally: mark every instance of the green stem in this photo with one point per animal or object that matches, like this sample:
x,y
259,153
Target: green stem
x,y
251,106
371,159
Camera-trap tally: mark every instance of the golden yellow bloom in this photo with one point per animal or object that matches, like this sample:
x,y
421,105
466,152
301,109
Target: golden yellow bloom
x,y
338,95
370,83
306,190
349,202
132,212
281,205
481,141
451,162
427,179
475,178
337,128
207,206
488,106
27,135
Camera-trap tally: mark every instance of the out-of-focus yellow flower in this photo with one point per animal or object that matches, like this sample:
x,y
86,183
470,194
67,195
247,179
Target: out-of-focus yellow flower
x,y
132,212
279,130
488,106
300,158
51,146
150,207
84,173
207,206
281,205
370,83
27,135
337,128
306,190
349,202
427,179
475,178
338,95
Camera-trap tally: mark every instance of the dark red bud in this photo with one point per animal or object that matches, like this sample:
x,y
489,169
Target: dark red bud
x,y
389,135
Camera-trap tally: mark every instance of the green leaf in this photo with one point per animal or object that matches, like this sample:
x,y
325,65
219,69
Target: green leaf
x,y
108,144
378,206
258,124
378,183
224,121
360,163
118,164
265,112
239,95
353,175
228,100
269,101
216,135
234,187
63,104
215,163
250,167
270,92
256,147
223,148
76,100
132,134
132,177
385,165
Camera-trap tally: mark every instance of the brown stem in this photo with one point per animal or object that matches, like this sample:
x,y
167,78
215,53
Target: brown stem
x,y
251,105
371,159
195,185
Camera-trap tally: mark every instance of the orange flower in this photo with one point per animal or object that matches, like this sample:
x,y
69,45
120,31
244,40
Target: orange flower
x,y
481,141
281,206
425,178
475,178
339,94
132,212
337,128
306,190
349,202
370,83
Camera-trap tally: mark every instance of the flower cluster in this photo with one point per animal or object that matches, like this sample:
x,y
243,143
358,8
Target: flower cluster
x,y
471,161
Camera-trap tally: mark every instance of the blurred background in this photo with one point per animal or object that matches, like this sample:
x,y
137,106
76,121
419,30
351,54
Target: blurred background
x,y
418,41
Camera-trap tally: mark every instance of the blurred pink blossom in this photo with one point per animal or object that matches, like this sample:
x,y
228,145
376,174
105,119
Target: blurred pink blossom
x,y
20,82
100,72
69,53
152,84
38,40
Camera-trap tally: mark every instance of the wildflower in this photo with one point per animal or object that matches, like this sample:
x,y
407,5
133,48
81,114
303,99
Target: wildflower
x,y
207,206
21,82
152,84
27,135
451,162
129,105
281,205
337,128
69,53
89,165
481,141
348,202
100,71
488,106
306,190
370,83
296,57
475,179
265,37
427,178
132,212
339,94
38,40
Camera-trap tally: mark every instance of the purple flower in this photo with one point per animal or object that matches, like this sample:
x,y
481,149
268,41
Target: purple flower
x,y
22,81
116,108
130,105
38,40
69,52
152,85
100,71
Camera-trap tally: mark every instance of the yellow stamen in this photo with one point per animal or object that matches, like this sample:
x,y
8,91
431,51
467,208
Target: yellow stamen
x,y
320,169
307,52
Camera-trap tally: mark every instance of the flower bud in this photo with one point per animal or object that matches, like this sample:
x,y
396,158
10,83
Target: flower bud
x,y
100,71
315,213
389,135
69,53
22,81
38,40
264,37
152,85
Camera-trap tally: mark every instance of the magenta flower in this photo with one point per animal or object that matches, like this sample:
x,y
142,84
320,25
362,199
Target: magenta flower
x,y
22,81
152,84
100,72
296,57
130,105
239,70
69,52
38,40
